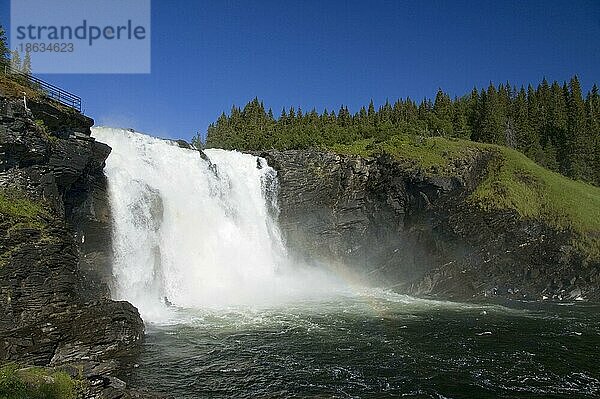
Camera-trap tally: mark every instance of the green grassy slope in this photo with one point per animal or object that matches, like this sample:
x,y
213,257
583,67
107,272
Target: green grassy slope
x,y
513,182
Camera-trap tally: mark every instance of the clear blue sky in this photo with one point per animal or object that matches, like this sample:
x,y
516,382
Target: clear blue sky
x,y
208,55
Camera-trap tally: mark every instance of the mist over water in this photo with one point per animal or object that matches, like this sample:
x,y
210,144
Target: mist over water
x,y
197,233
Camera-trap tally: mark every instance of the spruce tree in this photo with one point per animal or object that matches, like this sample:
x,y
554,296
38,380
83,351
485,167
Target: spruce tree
x,y
460,119
26,68
492,126
362,116
4,50
578,143
524,135
553,141
473,112
15,61
507,120
592,107
553,125
442,109
371,114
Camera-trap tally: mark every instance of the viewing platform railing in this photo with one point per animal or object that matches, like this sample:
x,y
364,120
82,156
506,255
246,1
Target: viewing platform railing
x,y
51,91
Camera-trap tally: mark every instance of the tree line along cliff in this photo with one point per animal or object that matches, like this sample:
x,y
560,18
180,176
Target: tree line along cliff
x,y
553,124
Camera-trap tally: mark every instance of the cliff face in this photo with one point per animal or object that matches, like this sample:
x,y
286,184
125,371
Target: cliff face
x,y
54,245
419,234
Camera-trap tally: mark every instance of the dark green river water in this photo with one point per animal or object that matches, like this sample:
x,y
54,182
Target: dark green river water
x,y
376,344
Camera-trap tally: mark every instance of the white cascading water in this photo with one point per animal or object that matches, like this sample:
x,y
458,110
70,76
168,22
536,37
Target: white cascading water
x,y
192,233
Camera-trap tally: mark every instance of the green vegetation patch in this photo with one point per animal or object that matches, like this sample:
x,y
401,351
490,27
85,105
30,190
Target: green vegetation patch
x,y
17,209
431,154
36,383
17,212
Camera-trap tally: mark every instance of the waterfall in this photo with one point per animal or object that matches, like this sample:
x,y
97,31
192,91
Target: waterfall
x,y
190,232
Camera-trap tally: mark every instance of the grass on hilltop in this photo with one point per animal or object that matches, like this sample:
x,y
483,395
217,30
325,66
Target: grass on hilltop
x,y
433,154
513,182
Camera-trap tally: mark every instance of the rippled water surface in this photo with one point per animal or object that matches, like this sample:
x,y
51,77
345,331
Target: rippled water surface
x,y
376,344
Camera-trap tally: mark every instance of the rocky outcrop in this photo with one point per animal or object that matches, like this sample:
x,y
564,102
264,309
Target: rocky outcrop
x,y
55,247
392,224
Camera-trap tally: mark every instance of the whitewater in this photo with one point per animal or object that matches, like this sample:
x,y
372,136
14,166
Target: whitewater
x,y
190,232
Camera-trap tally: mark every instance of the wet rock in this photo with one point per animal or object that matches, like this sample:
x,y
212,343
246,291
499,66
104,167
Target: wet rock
x,y
184,144
397,226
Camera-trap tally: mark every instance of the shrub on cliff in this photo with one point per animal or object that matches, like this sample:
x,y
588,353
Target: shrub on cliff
x,y
4,51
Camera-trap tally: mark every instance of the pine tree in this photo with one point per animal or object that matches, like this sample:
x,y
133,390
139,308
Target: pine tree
x,y
15,61
371,114
4,50
593,125
578,142
442,109
492,126
26,68
524,135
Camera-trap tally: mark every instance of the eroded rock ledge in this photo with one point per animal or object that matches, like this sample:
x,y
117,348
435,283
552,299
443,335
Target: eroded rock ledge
x,y
55,248
418,233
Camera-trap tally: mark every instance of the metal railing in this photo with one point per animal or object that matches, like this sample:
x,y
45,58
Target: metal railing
x,y
51,91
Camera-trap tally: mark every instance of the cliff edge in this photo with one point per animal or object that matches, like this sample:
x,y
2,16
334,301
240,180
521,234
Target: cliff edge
x,y
54,257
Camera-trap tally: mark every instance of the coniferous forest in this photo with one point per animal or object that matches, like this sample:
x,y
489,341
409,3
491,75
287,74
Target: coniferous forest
x,y
554,124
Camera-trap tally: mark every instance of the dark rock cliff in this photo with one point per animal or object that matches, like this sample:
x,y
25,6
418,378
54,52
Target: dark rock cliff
x,y
54,247
417,233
